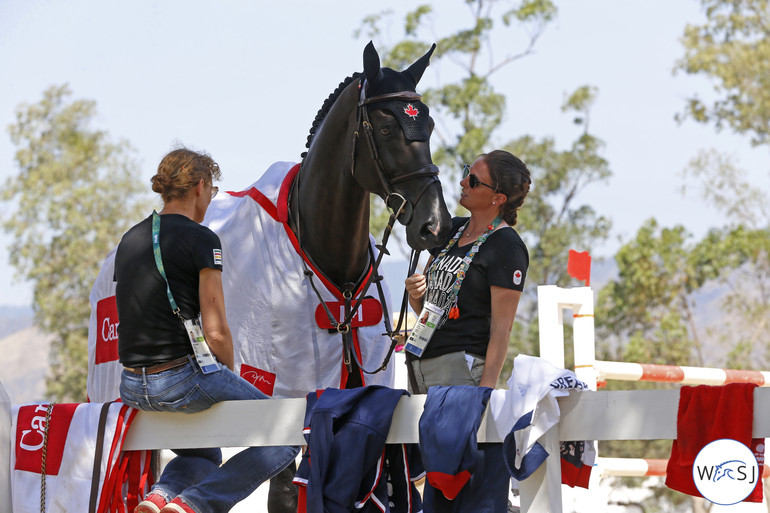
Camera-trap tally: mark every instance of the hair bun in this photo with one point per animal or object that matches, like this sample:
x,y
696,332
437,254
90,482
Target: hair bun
x,y
158,183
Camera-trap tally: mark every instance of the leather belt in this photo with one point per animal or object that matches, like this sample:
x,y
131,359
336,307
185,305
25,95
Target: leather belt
x,y
154,369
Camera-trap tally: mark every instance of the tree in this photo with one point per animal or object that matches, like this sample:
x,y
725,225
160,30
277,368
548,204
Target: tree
x,y
75,194
733,50
468,111
648,310
745,244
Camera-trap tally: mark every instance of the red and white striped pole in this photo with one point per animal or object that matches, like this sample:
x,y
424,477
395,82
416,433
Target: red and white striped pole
x,y
641,467
626,371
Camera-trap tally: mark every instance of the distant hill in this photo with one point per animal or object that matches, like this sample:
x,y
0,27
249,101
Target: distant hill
x,y
24,364
14,318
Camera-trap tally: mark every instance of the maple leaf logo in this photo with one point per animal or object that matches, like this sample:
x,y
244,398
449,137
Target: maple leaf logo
x,y
411,111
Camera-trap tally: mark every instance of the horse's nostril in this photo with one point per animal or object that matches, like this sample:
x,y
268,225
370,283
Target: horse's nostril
x,y
429,230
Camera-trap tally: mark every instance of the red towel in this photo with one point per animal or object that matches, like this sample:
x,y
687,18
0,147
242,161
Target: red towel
x,y
708,413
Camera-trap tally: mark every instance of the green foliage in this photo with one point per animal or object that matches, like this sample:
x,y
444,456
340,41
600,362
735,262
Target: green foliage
x,y
649,310
743,266
719,181
650,303
469,110
75,194
733,50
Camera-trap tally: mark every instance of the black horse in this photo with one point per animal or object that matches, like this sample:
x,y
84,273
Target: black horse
x,y
370,136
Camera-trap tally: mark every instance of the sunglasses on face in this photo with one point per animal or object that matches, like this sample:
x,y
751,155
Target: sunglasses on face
x,y
473,180
214,189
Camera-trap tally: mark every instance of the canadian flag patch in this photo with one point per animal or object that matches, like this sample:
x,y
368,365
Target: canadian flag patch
x,y
410,111
517,277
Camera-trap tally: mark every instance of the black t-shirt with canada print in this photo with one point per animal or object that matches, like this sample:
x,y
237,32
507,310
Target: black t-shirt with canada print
x,y
502,261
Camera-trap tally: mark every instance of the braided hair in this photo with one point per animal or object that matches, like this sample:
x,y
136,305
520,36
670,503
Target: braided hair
x,y
512,178
324,110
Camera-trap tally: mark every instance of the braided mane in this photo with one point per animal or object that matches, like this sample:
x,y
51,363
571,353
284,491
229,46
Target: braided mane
x,y
324,110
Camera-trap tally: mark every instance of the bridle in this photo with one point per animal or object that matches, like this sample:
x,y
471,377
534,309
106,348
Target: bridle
x,y
405,208
400,209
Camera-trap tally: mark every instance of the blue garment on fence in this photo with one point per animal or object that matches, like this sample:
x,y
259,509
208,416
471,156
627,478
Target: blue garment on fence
x,y
347,466
462,475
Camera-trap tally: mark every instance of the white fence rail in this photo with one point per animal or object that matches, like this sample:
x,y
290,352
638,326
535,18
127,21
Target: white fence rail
x,y
622,415
588,415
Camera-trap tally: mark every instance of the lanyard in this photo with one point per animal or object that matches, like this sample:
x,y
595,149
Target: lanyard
x,y
454,311
159,261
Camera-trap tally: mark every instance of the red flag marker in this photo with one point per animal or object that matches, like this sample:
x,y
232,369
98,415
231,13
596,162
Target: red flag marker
x,y
579,266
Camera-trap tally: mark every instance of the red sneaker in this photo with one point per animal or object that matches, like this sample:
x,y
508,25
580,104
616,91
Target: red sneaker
x,y
177,506
152,503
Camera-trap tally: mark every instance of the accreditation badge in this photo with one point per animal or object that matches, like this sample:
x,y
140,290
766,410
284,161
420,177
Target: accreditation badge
x,y
203,356
424,328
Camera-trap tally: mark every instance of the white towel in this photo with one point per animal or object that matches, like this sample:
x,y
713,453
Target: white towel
x,y
533,388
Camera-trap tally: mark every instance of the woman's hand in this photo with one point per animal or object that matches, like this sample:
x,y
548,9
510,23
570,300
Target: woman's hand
x,y
416,287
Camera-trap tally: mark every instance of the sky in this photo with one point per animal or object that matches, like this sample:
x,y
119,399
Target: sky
x,y
243,80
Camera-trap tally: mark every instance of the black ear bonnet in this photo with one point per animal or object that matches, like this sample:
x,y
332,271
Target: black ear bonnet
x,y
412,115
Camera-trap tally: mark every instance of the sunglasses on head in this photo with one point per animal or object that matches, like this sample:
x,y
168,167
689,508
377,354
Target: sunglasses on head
x,y
473,180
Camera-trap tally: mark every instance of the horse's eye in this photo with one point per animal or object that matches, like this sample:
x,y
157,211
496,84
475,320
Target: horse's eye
x,y
385,131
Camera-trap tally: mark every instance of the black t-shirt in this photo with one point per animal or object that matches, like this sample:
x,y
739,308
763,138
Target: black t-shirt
x,y
149,332
502,261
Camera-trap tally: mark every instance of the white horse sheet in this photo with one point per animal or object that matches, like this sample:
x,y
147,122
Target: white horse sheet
x,y
272,310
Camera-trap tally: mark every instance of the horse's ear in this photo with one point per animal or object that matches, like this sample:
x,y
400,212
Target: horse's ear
x,y
371,63
418,68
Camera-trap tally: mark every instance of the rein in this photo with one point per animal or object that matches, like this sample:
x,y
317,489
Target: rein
x,y
353,304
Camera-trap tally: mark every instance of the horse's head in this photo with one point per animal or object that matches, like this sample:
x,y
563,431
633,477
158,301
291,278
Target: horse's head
x,y
394,160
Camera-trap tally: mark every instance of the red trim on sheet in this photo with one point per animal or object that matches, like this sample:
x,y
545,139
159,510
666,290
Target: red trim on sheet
x,y
283,213
260,198
280,213
283,194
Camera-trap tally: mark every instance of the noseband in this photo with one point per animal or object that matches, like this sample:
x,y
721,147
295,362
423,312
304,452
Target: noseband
x,y
394,201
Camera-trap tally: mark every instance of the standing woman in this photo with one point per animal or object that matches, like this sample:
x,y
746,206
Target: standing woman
x,y
473,283
169,296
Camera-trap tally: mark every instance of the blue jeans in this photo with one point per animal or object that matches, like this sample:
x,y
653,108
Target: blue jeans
x,y
195,475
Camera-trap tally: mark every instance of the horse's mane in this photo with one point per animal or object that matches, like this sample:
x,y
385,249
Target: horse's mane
x,y
324,110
